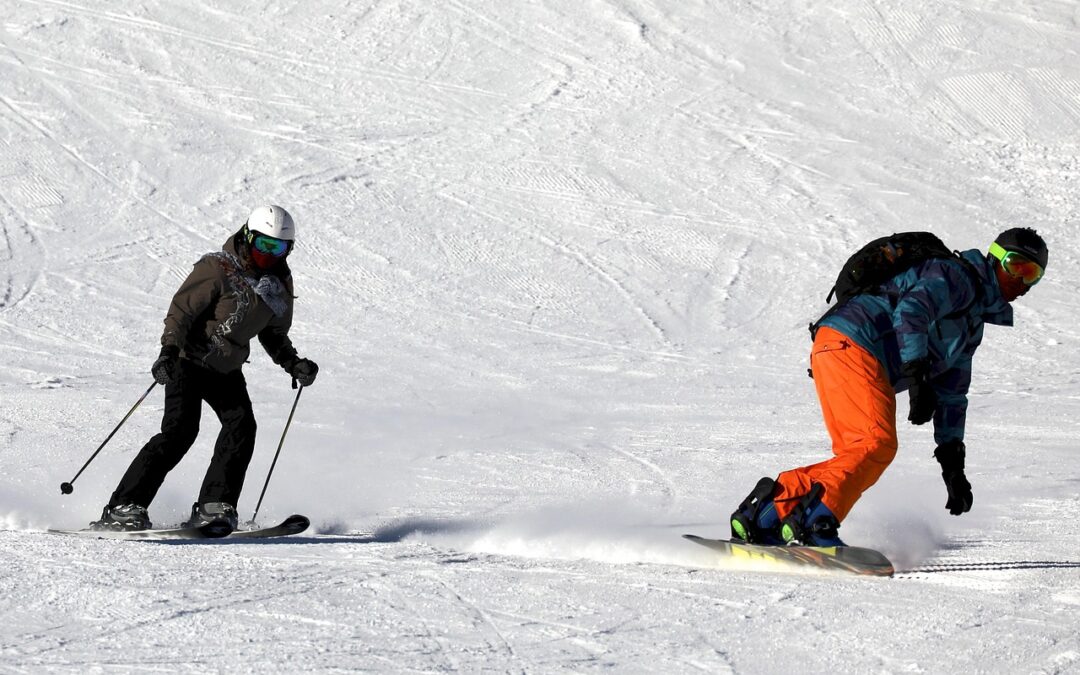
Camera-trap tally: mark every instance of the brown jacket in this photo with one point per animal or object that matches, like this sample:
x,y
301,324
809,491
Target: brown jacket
x,y
224,302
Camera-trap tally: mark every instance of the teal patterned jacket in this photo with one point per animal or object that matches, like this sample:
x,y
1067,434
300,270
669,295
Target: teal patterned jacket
x,y
933,310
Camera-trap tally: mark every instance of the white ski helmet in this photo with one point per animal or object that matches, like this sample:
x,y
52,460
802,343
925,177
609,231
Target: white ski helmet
x,y
272,221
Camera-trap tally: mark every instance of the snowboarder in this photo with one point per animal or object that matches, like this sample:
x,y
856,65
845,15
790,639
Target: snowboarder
x,y
917,333
243,291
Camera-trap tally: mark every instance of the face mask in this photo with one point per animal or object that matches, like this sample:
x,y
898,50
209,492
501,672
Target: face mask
x,y
1011,287
264,261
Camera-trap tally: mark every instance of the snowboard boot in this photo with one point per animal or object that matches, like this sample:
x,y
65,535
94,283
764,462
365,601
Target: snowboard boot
x,y
123,517
811,523
212,512
755,521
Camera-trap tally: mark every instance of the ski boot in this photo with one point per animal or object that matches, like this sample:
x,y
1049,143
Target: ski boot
x,y
123,517
811,523
212,512
755,521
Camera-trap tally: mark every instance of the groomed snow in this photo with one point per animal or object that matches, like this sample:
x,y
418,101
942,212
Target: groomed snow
x,y
556,262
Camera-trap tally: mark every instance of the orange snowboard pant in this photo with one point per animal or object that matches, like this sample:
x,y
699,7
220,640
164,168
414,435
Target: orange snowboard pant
x,y
859,406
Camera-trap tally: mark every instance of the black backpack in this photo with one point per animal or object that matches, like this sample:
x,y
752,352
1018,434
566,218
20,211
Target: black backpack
x,y
882,259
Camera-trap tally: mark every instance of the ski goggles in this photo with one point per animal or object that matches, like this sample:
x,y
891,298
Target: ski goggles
x,y
269,245
1017,264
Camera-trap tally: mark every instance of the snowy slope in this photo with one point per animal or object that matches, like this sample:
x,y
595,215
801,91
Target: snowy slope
x,y
556,261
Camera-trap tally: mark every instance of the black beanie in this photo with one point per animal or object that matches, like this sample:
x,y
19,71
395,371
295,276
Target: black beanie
x,y
1026,241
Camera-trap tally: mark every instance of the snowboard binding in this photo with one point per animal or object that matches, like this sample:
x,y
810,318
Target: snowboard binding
x,y
756,521
811,523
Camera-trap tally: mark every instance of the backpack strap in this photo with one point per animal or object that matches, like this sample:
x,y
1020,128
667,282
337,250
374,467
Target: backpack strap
x,y
829,297
814,325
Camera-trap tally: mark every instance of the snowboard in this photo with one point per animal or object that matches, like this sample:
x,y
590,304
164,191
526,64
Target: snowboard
x,y
853,559
294,524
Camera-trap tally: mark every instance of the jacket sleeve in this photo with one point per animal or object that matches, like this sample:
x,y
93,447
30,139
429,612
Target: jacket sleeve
x,y
940,289
197,294
275,337
951,414
275,340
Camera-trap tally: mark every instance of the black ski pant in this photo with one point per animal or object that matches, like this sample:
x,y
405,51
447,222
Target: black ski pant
x,y
227,395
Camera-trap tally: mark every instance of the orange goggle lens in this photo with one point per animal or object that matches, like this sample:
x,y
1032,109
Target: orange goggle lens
x,y
1018,265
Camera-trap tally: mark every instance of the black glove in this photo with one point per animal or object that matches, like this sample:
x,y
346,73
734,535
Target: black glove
x,y
303,371
950,455
921,394
167,366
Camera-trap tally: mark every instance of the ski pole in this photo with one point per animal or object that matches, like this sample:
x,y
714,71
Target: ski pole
x,y
68,488
280,443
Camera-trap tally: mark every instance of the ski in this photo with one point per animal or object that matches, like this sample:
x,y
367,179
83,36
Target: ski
x,y
294,524
214,530
853,559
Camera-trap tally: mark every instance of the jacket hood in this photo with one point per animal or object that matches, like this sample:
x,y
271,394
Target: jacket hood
x,y
995,310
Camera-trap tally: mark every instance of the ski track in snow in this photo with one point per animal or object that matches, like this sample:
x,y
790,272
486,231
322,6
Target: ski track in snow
x,y
556,262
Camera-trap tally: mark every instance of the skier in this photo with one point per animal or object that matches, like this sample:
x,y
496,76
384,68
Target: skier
x,y
918,333
243,291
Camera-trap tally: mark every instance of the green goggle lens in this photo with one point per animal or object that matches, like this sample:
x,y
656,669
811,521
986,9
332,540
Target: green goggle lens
x,y
269,245
1018,265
